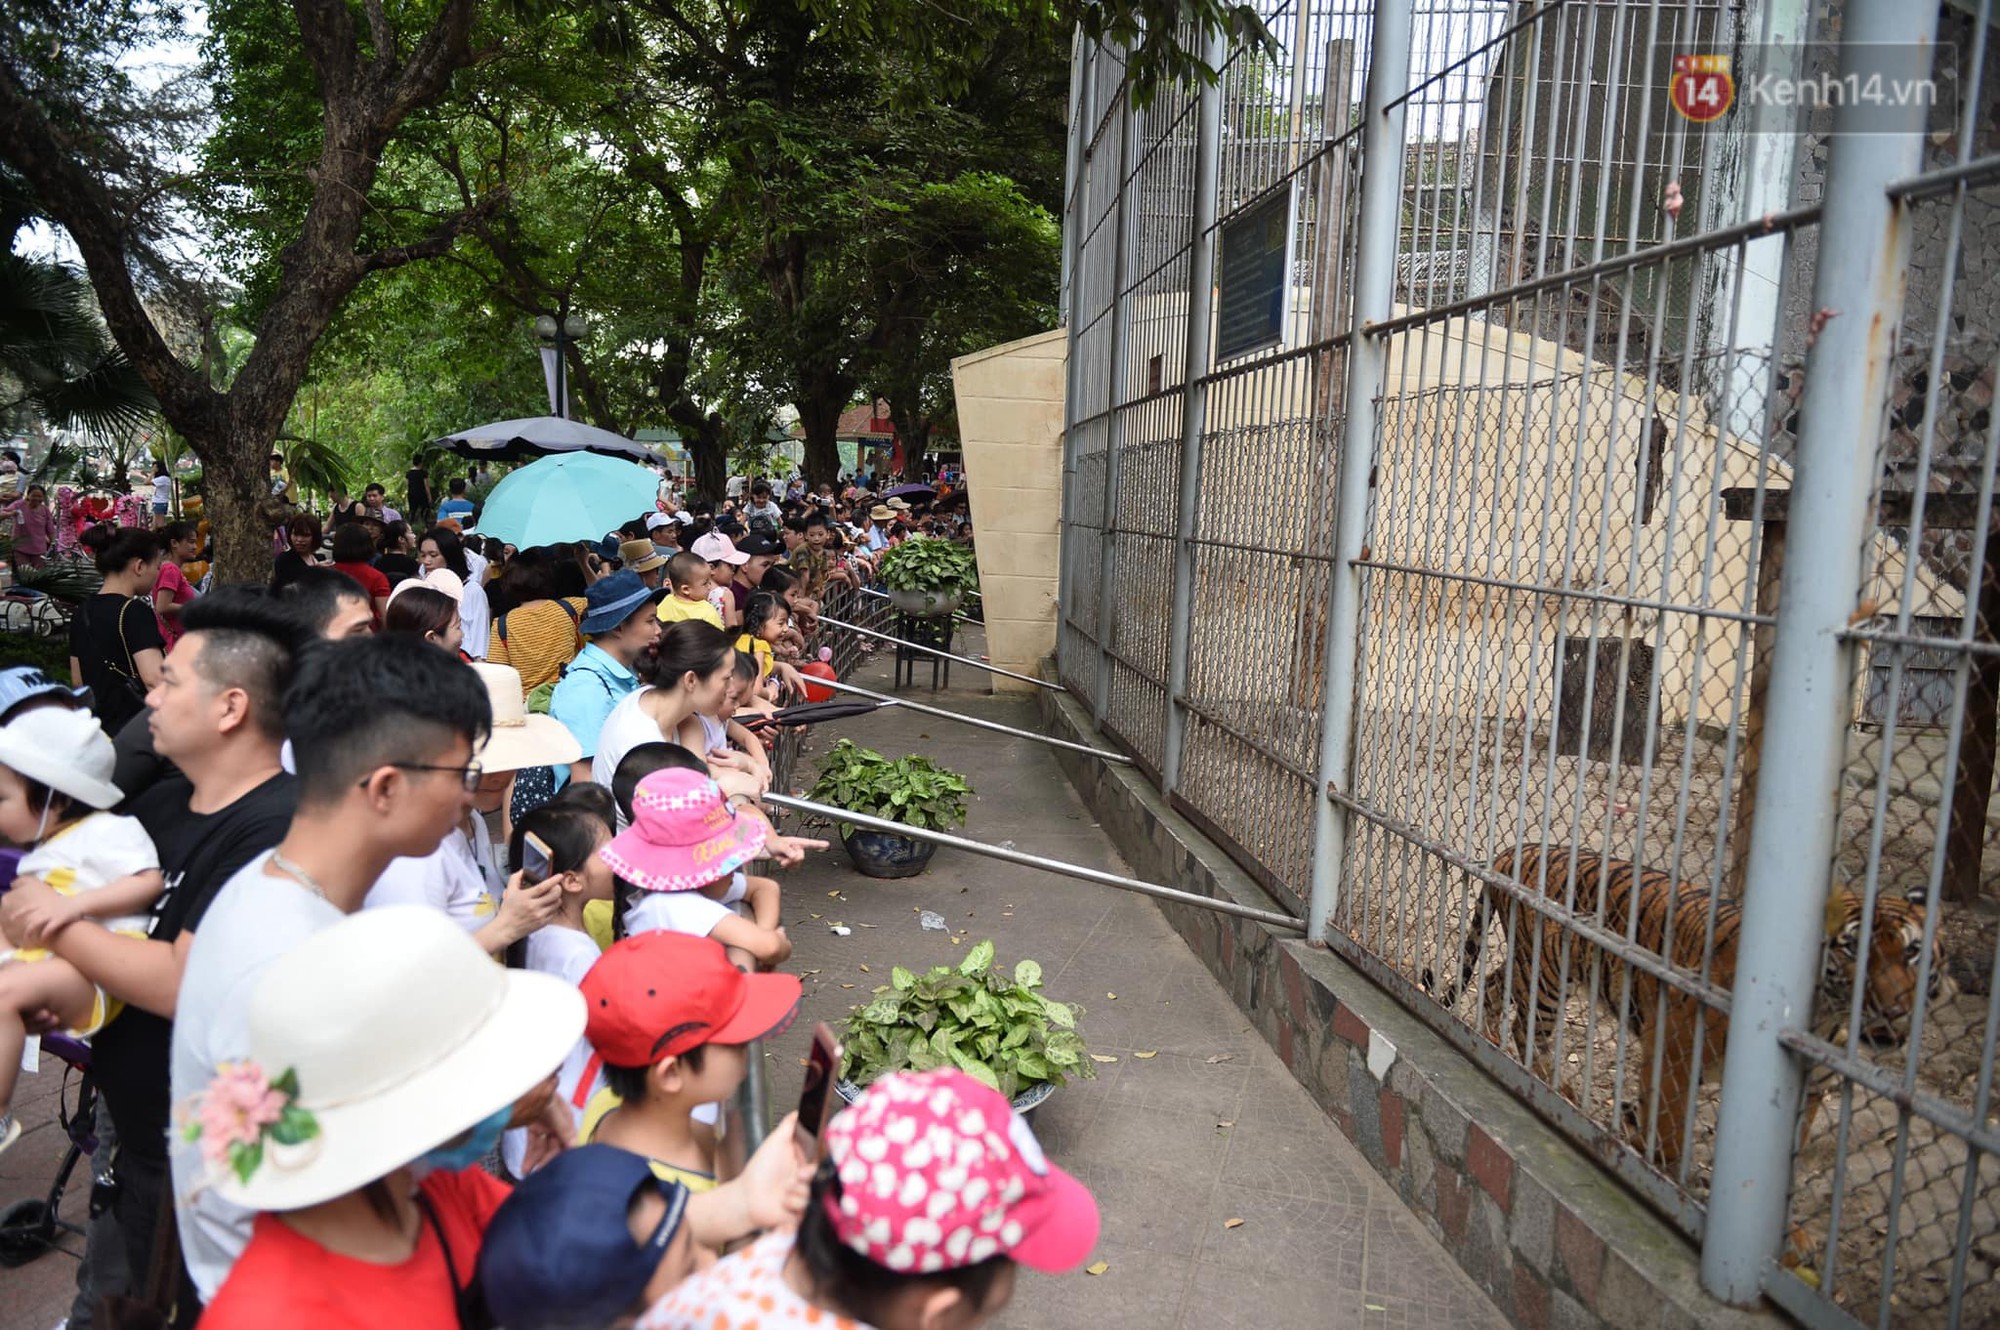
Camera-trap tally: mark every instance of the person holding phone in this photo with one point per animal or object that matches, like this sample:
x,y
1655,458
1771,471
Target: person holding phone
x,y
558,843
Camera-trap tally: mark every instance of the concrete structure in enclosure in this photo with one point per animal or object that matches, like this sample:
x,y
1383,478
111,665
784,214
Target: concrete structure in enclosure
x,y
1010,404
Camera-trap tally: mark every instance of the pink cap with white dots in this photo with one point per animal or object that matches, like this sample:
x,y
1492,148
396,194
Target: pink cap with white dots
x,y
937,1172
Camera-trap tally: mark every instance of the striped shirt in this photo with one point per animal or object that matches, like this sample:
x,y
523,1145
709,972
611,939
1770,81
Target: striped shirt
x,y
537,639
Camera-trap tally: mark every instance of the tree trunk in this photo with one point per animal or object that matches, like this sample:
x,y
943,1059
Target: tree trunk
x,y
236,487
821,420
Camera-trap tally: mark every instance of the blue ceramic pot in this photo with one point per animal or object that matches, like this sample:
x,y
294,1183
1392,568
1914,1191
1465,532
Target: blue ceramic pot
x,y
879,854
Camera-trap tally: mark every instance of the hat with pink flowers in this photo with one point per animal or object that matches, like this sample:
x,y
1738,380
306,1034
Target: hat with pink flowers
x,y
683,834
937,1171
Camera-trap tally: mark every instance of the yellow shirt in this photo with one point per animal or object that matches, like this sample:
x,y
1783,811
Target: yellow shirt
x,y
673,610
594,1112
761,649
539,639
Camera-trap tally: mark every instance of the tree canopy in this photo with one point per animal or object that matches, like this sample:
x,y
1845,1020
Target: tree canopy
x,y
752,202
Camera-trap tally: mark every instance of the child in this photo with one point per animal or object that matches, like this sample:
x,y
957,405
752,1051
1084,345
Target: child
x,y
765,621
901,1237
691,580
684,837
669,1021
55,767
744,699
562,947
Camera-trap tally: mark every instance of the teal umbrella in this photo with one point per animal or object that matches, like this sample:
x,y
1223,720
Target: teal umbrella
x,y
568,496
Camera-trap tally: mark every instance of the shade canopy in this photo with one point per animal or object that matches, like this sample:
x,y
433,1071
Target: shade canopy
x,y
571,496
541,436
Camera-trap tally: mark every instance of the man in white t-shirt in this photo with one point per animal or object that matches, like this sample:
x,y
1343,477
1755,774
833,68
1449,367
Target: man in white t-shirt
x,y
384,730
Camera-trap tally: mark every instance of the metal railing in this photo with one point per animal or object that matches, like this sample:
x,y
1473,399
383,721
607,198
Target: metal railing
x,y
1590,575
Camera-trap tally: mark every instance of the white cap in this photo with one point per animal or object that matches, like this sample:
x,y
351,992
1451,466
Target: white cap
x,y
654,521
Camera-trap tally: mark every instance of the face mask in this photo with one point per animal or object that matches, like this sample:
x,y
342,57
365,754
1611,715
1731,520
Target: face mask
x,y
468,1151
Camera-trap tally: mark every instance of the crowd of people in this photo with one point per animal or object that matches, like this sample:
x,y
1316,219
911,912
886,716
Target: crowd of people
x,y
407,901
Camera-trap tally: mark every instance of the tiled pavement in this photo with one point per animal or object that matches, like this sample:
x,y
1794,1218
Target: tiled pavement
x,y
1208,1129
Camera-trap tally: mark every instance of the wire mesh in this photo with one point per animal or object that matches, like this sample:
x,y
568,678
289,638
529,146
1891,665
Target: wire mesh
x,y
1568,586
1893,1201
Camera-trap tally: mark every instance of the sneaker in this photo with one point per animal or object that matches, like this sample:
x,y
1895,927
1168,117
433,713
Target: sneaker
x,y
10,1131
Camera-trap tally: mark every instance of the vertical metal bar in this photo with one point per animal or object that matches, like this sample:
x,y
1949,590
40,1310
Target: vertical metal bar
x,y
1114,425
1194,406
1377,232
1076,225
1864,244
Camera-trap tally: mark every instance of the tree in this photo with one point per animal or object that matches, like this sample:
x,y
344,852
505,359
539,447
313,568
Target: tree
x,y
366,72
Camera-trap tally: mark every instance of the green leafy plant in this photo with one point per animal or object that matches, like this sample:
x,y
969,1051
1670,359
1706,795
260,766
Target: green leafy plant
x,y
994,1026
912,790
926,563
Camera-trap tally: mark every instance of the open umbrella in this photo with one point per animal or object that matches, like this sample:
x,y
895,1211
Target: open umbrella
x,y
906,491
571,496
538,436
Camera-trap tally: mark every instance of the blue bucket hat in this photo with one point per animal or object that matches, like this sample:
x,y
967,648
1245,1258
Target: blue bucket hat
x,y
613,600
559,1254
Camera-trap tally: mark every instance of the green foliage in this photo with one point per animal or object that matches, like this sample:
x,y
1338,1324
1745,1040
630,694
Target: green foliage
x,y
926,563
912,790
997,1027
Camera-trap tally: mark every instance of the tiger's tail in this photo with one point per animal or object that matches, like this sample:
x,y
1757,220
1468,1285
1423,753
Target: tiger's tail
x,y
1469,953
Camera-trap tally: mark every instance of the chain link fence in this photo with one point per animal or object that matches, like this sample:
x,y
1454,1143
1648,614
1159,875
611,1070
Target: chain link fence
x,y
1451,603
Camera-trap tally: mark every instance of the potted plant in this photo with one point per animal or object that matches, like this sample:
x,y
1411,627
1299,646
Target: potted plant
x,y
912,790
996,1026
927,576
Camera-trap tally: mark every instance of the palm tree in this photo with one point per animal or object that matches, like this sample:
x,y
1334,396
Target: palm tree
x,y
58,363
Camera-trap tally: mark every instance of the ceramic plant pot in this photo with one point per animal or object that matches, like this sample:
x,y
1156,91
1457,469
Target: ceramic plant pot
x,y
925,604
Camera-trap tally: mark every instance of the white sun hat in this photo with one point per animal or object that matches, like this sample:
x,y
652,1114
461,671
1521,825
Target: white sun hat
x,y
373,1088
520,738
64,750
443,579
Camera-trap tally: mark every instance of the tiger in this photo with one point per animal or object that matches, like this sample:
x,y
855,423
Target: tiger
x,y
1895,951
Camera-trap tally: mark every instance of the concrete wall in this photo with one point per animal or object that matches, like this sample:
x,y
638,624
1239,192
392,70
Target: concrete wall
x,y
1010,417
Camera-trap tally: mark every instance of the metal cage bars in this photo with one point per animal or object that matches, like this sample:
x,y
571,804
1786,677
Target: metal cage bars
x,y
1472,660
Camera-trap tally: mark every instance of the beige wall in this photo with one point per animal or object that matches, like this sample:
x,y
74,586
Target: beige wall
x,y
1010,409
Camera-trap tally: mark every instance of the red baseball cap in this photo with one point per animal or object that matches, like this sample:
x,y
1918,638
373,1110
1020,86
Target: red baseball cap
x,y
662,993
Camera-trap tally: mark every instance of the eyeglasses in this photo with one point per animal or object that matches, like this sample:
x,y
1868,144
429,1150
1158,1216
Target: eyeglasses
x,y
469,774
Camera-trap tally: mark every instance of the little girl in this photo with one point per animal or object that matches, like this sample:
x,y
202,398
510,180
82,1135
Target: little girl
x,y
55,767
765,621
562,947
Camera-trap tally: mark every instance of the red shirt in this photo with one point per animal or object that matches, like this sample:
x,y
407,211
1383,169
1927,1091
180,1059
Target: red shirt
x,y
286,1279
370,578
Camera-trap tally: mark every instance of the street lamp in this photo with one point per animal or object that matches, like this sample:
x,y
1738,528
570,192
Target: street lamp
x,y
558,334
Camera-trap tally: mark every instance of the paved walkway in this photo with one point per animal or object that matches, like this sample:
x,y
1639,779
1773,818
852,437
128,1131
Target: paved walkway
x,y
1197,1123
1194,1126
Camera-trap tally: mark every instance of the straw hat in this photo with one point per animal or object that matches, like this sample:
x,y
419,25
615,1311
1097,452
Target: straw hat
x,y
520,738
640,556
882,512
371,1089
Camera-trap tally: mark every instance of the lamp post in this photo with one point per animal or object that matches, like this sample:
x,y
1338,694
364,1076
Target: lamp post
x,y
557,333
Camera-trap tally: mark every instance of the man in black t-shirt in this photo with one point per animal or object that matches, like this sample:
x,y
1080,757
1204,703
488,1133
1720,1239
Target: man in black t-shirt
x,y
217,716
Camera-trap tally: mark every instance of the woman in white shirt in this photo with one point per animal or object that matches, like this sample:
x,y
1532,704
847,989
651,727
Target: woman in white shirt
x,y
689,675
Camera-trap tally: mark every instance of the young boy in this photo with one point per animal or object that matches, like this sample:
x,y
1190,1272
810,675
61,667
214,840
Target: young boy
x,y
669,1021
685,838
689,575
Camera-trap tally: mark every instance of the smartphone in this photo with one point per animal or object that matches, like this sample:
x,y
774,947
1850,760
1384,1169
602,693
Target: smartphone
x,y
816,1095
536,861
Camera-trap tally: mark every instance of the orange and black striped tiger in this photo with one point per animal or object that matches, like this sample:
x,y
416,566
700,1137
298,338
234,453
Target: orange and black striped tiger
x,y
1895,953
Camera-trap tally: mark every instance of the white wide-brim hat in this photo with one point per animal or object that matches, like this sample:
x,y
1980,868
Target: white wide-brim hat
x,y
520,738
65,750
403,1034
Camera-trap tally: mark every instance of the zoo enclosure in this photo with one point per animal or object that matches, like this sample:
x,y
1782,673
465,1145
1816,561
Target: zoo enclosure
x,y
1581,476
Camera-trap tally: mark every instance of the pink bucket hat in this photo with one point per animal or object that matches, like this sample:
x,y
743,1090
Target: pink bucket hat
x,y
938,1172
683,834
